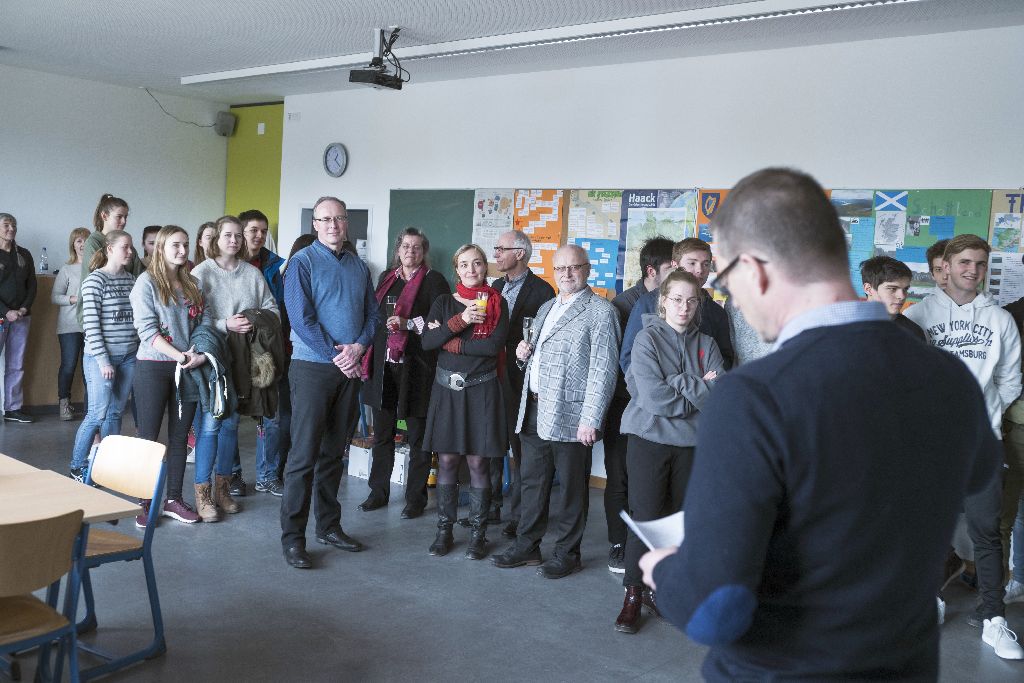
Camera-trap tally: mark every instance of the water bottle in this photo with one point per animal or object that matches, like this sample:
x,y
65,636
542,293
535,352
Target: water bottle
x,y
44,262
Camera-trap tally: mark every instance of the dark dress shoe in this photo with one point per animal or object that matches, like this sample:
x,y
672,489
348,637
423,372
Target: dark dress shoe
x,y
651,603
560,567
494,515
411,511
339,539
372,503
628,620
512,558
297,557
511,529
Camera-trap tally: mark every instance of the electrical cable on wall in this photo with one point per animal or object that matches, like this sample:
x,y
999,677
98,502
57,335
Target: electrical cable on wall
x,y
191,123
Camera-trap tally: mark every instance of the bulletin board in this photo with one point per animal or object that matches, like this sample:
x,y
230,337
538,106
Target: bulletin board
x,y
445,216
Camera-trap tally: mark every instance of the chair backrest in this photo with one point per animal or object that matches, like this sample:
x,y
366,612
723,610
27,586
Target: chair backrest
x,y
128,465
35,554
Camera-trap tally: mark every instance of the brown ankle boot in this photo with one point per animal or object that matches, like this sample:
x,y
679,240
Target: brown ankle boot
x,y
221,496
628,620
204,503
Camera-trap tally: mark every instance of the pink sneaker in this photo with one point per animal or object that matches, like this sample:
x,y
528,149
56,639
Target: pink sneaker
x,y
180,510
191,439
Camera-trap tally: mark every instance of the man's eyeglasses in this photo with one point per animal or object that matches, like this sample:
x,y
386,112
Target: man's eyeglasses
x,y
331,219
719,282
501,250
571,268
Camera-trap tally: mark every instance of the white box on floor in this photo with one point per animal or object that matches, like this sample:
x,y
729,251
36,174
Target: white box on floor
x,y
401,463
358,462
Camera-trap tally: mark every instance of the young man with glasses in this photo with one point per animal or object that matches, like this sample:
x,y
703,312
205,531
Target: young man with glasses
x,y
334,317
570,377
828,475
524,292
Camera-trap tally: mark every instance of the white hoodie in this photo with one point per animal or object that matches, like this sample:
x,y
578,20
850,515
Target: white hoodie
x,y
983,336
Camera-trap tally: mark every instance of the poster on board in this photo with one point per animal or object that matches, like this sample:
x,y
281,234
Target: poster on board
x,y
652,213
492,216
594,225
541,214
710,201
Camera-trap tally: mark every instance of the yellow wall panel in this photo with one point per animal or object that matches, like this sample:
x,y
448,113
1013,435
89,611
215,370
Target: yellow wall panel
x,y
254,161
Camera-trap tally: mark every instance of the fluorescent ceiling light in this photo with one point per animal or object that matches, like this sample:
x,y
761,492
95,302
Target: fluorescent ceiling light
x,y
674,21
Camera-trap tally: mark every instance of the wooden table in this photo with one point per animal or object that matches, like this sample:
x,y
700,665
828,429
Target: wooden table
x,y
9,465
39,494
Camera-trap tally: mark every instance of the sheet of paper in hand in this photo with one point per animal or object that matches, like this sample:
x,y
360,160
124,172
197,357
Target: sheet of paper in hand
x,y
657,533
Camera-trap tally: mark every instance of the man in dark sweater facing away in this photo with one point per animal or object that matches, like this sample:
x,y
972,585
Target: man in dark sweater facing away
x,y
828,475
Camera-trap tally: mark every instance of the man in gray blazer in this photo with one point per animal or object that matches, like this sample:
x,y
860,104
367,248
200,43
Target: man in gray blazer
x,y
570,378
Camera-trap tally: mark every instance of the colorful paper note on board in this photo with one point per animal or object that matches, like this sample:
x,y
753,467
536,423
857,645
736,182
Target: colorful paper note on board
x,y
1006,225
857,220
709,202
492,215
541,215
594,225
652,213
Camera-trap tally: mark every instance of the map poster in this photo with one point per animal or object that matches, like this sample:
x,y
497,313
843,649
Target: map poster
x,y
709,202
594,225
652,213
952,212
1007,221
540,214
1005,276
492,216
856,216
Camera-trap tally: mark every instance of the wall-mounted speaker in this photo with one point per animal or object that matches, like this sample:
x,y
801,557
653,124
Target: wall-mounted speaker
x,y
225,124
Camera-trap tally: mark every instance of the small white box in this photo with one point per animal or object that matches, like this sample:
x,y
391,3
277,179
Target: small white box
x,y
401,463
358,462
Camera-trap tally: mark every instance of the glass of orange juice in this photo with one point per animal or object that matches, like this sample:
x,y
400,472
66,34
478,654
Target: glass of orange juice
x,y
481,301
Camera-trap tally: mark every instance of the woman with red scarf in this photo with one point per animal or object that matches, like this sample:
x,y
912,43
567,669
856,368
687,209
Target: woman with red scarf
x,y
399,374
467,413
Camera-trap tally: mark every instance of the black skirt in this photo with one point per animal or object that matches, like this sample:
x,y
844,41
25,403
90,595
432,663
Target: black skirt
x,y
467,422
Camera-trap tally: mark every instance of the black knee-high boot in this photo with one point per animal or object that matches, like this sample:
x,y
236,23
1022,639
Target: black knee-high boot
x,y
479,506
447,511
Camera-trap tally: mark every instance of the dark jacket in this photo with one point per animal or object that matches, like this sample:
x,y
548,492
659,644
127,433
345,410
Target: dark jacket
x,y
531,297
202,384
257,363
17,280
416,373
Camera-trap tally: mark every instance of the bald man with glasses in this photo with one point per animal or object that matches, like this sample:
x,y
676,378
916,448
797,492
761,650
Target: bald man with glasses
x,y
570,377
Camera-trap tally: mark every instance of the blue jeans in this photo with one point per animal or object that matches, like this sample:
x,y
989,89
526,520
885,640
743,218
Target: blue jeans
x,y
71,345
106,403
216,443
274,437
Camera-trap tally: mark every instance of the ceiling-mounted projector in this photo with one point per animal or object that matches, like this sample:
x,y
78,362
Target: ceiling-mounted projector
x,y
378,74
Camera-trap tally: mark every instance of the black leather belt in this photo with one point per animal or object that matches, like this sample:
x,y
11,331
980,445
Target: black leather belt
x,y
456,381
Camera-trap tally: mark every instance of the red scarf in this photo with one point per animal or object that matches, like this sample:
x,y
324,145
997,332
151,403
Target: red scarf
x,y
397,340
493,311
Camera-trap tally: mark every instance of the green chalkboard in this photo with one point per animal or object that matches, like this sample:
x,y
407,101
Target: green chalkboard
x,y
446,216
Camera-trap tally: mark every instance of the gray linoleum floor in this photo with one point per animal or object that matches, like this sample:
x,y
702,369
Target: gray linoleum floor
x,y
234,611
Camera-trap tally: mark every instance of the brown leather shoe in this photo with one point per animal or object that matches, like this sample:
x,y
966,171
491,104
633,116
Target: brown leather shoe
x,y
629,618
651,603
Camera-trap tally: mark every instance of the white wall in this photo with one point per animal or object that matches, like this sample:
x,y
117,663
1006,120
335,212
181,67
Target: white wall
x,y
66,141
935,111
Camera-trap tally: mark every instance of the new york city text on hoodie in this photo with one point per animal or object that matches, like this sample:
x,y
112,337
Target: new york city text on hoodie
x,y
983,336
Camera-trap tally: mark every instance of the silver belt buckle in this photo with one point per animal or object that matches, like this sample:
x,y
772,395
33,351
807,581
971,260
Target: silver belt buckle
x,y
456,381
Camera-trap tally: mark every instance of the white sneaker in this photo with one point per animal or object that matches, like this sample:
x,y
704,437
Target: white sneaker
x,y
1004,641
941,605
1014,592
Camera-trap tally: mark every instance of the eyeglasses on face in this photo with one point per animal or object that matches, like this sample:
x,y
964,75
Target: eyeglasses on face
x,y
501,250
571,268
719,282
679,301
331,219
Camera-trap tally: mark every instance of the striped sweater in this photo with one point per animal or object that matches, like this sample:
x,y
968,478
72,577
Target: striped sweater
x,y
107,316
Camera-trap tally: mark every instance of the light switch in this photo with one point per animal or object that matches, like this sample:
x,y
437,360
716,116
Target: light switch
x,y
261,128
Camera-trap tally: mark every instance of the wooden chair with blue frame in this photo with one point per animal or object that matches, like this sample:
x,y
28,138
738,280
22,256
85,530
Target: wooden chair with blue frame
x,y
34,555
135,468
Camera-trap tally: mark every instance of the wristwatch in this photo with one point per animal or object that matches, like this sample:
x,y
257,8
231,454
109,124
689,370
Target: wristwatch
x,y
410,325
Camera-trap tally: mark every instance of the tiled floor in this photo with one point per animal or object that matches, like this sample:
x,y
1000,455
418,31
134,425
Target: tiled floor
x,y
234,611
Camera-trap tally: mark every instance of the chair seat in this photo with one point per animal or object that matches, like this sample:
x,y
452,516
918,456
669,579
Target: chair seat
x,y
23,617
105,542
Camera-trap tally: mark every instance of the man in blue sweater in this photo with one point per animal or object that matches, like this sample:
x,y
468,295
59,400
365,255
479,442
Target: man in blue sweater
x,y
829,474
333,316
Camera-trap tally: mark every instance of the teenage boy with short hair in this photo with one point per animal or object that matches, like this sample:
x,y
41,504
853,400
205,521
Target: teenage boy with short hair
x,y
969,324
887,281
934,258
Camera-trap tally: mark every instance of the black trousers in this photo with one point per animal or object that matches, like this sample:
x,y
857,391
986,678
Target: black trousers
x,y
153,385
383,462
658,475
512,388
568,510
326,407
615,490
982,510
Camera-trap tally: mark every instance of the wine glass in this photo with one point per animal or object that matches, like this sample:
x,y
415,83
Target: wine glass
x,y
528,330
481,301
390,302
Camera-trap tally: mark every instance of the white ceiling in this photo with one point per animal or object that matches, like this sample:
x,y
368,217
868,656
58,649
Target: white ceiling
x,y
155,43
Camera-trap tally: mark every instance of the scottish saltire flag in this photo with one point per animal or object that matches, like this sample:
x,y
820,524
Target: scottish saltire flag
x,y
891,200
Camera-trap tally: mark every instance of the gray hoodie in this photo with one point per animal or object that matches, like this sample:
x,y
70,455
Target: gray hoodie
x,y
666,382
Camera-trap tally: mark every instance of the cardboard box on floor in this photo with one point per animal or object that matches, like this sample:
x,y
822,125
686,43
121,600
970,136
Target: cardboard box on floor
x,y
359,463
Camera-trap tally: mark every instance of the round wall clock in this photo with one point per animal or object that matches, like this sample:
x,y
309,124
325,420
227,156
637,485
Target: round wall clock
x,y
335,159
